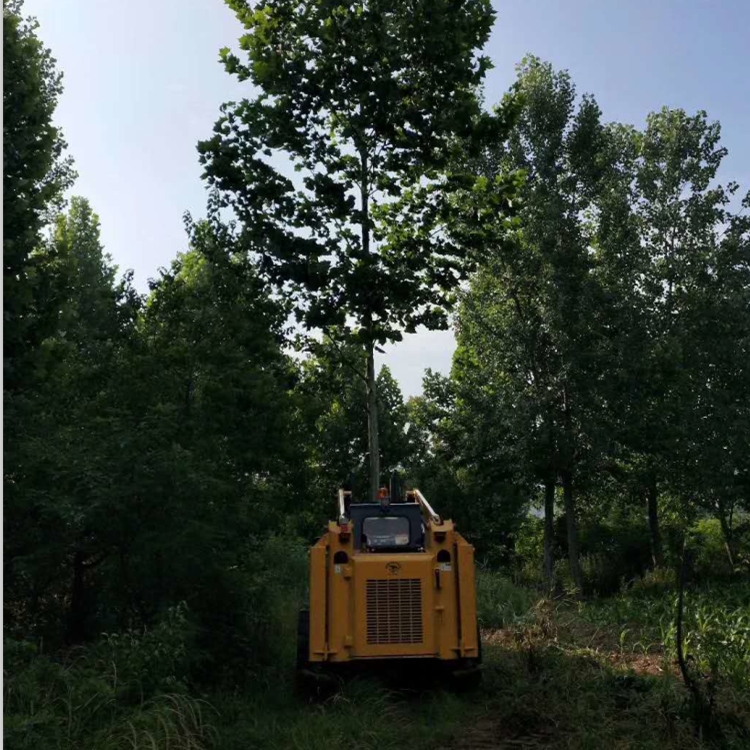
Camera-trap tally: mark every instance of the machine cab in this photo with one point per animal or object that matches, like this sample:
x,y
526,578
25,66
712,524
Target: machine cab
x,y
395,528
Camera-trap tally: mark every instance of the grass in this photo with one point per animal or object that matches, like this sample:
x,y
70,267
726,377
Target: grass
x,y
716,631
126,692
500,603
558,674
364,715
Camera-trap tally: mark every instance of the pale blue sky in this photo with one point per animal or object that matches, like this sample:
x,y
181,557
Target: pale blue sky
x,y
143,85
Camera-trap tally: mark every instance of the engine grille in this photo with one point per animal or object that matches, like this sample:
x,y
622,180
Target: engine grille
x,y
394,611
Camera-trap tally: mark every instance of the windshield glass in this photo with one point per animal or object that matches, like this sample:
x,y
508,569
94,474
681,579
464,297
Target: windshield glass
x,y
386,531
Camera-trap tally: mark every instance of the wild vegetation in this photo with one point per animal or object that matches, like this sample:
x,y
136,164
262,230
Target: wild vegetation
x,y
169,456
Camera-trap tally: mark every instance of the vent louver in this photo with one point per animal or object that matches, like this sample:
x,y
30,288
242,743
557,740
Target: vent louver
x,y
394,611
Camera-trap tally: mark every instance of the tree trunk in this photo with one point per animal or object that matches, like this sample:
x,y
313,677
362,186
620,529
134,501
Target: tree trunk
x,y
726,530
549,531
570,519
372,424
652,498
77,619
373,438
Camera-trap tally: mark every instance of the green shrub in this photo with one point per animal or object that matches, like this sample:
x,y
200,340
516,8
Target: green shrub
x,y
248,623
499,601
123,691
613,550
600,574
159,659
530,541
710,559
132,689
530,574
655,582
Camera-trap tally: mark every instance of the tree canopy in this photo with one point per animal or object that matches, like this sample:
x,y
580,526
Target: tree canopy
x,y
35,175
370,104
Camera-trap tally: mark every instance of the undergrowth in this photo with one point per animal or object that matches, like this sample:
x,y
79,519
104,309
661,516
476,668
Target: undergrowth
x,y
716,630
558,673
364,714
500,603
129,690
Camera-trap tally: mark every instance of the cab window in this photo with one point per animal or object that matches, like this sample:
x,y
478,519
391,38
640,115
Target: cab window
x,y
385,531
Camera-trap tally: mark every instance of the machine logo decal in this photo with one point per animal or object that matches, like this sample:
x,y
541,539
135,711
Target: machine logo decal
x,y
393,568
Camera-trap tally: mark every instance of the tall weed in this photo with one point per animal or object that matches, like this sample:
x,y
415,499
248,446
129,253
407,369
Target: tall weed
x,y
123,691
500,602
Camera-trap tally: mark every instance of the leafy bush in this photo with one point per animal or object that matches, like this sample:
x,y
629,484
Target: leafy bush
x,y
530,551
127,690
601,574
250,626
256,632
499,601
613,550
710,558
654,582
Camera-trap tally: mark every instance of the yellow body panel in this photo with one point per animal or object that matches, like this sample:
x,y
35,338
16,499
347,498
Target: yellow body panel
x,y
318,597
376,605
467,601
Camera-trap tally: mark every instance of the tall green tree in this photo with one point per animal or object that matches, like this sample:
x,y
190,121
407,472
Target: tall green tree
x,y
396,440
463,463
638,371
698,287
207,440
531,328
58,475
671,251
155,448
331,389
370,104
35,175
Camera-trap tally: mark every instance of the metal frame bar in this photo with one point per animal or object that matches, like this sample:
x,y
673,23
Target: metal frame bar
x,y
434,517
342,504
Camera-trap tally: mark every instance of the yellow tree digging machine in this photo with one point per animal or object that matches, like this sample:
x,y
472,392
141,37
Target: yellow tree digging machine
x,y
390,581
